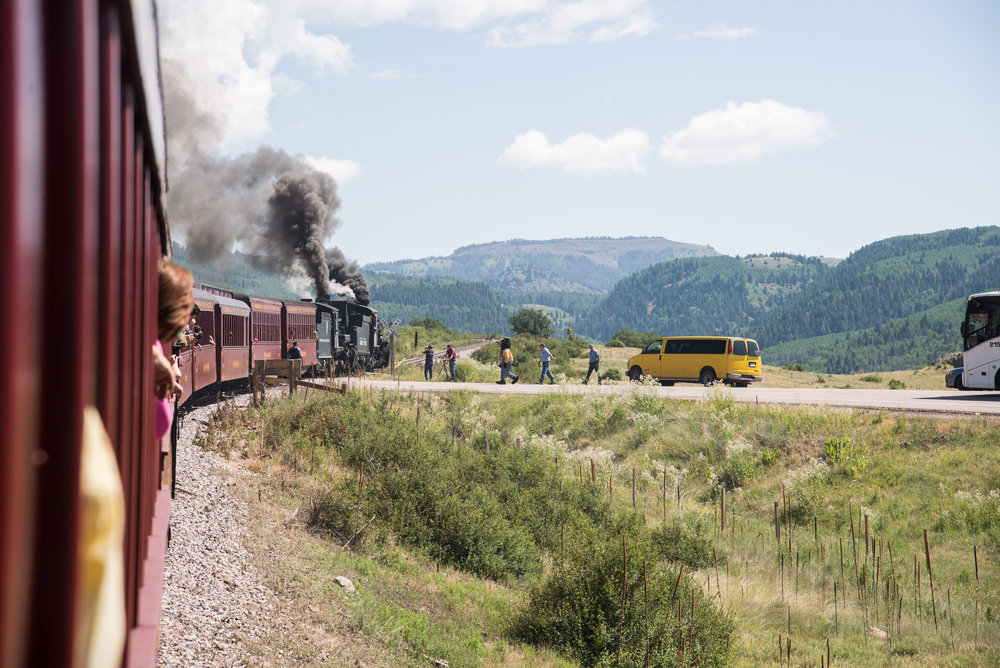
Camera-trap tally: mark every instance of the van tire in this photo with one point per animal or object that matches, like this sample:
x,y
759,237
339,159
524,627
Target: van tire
x,y
635,374
741,383
667,383
707,377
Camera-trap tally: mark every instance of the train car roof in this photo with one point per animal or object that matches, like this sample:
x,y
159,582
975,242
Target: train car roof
x,y
206,296
232,303
299,305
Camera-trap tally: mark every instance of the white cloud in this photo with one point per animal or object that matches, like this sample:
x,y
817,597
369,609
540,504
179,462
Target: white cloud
x,y
227,52
341,170
582,153
510,22
745,132
586,20
719,31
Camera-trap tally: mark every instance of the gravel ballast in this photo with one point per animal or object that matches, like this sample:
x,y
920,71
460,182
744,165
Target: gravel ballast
x,y
216,609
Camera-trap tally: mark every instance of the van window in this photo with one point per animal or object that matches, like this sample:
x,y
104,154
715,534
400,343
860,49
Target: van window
x,y
710,347
653,348
696,347
740,347
754,350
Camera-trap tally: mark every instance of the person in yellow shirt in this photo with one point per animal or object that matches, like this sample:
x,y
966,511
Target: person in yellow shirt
x,y
506,361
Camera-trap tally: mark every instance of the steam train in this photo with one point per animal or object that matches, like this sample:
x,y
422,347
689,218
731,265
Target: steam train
x,y
233,331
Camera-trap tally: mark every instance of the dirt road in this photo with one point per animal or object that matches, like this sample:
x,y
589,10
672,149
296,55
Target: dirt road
x,y
931,402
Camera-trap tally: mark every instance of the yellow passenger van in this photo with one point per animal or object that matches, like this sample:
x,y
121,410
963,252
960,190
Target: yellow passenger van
x,y
698,359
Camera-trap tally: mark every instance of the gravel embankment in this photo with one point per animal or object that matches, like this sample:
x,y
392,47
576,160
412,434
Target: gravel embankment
x,y
216,609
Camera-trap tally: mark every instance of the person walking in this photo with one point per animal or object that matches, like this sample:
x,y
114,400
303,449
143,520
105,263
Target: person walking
x,y
451,356
595,365
429,363
506,362
545,356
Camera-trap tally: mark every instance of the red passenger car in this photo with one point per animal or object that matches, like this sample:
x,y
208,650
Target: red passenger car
x,y
298,323
232,318
265,328
204,365
81,229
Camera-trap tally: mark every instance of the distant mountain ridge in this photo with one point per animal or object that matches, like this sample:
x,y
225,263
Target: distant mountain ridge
x,y
890,304
576,265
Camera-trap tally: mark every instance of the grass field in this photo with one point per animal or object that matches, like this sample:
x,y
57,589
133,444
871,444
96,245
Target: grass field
x,y
459,516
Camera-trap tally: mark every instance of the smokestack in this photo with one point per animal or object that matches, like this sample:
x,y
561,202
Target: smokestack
x,y
346,273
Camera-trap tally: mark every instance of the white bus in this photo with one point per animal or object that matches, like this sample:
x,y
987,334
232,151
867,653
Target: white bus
x,y
981,342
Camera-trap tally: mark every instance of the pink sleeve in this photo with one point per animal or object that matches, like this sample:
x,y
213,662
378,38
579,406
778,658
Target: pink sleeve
x,y
164,409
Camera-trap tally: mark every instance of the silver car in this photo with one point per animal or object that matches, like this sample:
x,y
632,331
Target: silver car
x,y
954,378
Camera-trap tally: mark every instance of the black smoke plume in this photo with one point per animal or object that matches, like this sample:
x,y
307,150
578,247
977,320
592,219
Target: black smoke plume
x,y
277,207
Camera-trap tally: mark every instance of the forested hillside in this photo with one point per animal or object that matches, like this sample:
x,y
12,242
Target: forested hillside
x,y
893,278
464,306
715,295
470,306
901,343
586,265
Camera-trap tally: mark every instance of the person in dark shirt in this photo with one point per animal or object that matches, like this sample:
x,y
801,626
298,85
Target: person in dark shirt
x,y
595,365
429,363
295,353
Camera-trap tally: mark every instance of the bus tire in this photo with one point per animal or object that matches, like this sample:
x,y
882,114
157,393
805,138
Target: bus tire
x,y
706,377
996,381
635,374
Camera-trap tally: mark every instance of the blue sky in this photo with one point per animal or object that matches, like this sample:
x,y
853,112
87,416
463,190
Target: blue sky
x,y
813,128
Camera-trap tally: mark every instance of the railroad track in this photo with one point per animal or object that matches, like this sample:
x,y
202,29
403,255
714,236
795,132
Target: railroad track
x,y
463,350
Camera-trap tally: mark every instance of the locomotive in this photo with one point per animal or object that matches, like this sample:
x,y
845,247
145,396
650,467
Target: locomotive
x,y
233,331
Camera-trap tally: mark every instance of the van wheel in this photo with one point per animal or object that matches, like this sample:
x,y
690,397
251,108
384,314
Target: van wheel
x,y
707,377
635,374
741,383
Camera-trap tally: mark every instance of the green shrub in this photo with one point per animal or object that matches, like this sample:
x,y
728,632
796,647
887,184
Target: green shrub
x,y
614,343
896,384
848,457
739,468
871,378
980,514
793,367
769,456
633,339
578,610
614,373
680,545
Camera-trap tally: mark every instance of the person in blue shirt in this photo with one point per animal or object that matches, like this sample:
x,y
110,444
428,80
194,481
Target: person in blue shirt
x,y
595,365
545,356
